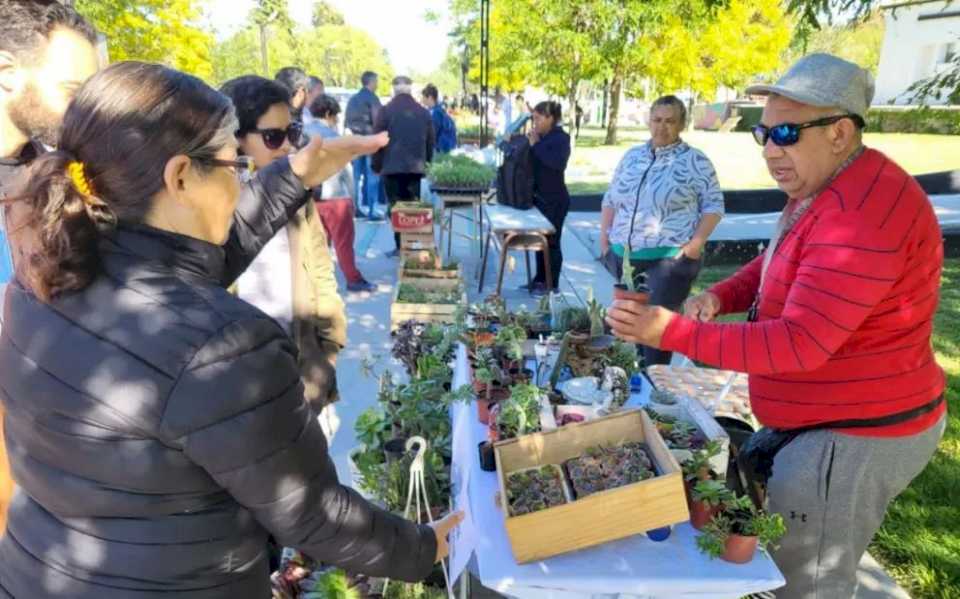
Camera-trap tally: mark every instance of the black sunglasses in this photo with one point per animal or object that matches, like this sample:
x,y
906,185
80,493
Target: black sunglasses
x,y
787,134
273,138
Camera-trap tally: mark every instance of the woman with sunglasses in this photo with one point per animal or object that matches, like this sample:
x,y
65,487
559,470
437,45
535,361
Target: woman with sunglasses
x,y
663,204
292,279
156,424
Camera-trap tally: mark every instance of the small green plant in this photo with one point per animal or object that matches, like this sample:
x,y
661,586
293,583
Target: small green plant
x,y
520,413
372,428
596,312
573,319
713,493
334,584
623,355
510,340
740,516
411,294
627,278
698,466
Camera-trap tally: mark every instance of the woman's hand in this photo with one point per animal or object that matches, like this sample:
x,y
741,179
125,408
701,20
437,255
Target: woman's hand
x,y
321,159
533,137
442,528
703,307
604,244
638,323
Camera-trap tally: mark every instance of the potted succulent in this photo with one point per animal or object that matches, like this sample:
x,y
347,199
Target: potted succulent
x,y
536,489
628,288
697,467
600,342
509,342
736,533
707,500
517,415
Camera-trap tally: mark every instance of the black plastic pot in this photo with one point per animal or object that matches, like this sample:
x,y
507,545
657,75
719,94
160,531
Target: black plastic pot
x,y
394,449
488,462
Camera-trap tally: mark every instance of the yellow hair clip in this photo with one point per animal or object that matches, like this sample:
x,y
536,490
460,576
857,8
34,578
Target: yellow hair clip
x,y
79,178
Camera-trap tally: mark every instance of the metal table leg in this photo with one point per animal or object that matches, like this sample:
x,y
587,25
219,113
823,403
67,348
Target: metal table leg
x,y
485,251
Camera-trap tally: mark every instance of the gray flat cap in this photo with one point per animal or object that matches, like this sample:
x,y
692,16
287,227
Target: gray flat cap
x,y
824,80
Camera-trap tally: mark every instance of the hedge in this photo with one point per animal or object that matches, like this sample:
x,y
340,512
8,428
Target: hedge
x,y
924,119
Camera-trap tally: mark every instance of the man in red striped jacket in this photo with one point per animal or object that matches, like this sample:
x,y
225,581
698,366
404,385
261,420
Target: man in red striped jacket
x,y
838,340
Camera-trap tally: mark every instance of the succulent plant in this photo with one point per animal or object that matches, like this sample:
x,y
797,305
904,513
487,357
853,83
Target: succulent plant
x,y
603,468
533,490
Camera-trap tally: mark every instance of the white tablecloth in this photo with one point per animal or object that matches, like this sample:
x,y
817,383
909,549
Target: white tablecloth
x,y
502,219
632,567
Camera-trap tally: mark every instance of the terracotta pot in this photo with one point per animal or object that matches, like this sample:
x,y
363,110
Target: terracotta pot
x,y
483,410
483,339
739,549
701,514
498,394
620,292
479,387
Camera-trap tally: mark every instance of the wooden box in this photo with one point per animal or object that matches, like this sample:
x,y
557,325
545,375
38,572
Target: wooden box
x,y
402,312
417,241
411,220
428,272
601,517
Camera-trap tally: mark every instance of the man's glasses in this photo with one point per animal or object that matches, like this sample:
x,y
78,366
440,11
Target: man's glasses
x,y
787,134
274,138
243,164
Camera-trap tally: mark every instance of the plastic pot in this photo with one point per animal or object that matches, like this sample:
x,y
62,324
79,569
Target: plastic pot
x,y
483,409
488,462
739,549
394,449
620,292
701,514
659,535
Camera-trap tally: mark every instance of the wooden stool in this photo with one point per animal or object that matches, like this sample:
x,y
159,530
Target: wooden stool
x,y
525,242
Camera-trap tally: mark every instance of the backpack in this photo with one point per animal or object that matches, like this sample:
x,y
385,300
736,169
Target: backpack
x,y
515,175
447,136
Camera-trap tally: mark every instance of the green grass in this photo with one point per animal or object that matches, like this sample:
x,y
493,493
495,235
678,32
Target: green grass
x,y
737,157
919,543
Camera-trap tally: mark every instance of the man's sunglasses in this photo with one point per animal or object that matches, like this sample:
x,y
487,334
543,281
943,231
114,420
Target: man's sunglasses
x,y
274,138
787,134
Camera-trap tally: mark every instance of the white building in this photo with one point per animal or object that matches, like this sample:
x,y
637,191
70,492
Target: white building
x,y
921,38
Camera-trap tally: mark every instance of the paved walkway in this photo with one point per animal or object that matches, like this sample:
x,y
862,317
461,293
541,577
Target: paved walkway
x,y
369,332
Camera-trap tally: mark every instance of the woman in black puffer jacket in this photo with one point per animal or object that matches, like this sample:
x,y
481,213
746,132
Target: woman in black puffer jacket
x,y
156,424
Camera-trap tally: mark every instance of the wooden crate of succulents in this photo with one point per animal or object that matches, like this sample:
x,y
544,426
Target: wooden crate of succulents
x,y
415,300
586,484
430,268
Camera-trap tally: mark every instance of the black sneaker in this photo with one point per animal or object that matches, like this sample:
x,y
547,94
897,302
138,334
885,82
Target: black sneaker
x,y
361,285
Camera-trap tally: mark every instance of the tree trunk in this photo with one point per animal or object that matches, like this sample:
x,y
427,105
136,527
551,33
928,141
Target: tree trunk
x,y
264,57
616,86
572,111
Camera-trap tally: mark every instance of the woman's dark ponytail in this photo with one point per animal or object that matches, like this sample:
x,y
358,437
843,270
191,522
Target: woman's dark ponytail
x,y
118,134
55,228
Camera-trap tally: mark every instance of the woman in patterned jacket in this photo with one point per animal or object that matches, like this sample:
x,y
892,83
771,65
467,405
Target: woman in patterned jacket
x,y
661,207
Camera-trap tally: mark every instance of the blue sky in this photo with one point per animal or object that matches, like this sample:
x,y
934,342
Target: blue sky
x,y
398,25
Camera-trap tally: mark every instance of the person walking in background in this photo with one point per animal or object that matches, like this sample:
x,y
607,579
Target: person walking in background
x,y
403,162
46,53
550,148
664,202
176,435
298,85
335,203
443,126
838,340
362,110
315,90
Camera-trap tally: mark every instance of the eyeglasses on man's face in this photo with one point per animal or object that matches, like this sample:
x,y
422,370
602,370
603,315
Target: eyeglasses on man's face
x,y
787,134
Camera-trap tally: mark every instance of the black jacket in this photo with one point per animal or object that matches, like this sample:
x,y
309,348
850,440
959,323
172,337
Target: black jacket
x,y
550,157
362,110
158,432
412,137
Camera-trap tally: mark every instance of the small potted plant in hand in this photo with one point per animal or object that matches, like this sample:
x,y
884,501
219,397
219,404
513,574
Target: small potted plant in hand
x,y
707,500
628,288
735,534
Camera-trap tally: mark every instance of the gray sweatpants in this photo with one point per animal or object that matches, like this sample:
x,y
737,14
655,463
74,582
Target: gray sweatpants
x,y
833,491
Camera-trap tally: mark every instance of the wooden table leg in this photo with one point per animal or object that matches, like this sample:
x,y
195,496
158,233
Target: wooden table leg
x,y
485,251
504,248
6,479
546,264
